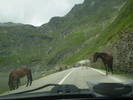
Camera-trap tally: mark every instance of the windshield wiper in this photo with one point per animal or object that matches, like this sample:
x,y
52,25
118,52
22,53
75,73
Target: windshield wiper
x,y
44,86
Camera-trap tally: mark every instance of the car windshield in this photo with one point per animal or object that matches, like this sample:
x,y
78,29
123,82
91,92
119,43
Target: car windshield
x,y
66,46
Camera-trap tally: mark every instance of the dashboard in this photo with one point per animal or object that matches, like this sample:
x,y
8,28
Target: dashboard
x,y
69,91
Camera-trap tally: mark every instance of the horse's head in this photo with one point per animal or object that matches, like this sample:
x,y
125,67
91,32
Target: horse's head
x,y
95,56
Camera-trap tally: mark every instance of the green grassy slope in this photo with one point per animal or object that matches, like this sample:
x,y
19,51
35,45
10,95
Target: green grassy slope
x,y
111,34
64,40
83,22
21,45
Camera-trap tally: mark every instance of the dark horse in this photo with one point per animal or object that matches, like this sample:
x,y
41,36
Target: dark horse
x,y
14,77
107,60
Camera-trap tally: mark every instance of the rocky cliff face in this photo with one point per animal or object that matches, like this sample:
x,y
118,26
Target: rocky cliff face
x,y
120,41
123,52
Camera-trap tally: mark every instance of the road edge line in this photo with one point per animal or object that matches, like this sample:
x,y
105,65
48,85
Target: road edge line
x,y
103,73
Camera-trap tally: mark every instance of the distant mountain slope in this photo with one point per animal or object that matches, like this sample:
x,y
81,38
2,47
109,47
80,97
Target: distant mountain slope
x,y
90,12
117,39
21,45
82,23
64,40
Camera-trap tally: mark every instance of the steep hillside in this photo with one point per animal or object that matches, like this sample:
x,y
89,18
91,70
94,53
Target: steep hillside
x,y
64,40
121,39
21,45
81,25
117,39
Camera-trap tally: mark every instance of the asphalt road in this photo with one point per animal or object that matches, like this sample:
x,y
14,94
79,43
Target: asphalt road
x,y
81,77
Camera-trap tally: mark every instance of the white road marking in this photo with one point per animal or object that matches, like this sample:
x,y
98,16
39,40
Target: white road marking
x,y
65,77
112,77
98,71
116,79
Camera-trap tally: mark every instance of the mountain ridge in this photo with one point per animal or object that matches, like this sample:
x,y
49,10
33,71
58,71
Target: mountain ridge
x,y
64,40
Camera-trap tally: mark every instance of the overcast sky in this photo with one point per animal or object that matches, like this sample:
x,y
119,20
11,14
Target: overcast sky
x,y
35,12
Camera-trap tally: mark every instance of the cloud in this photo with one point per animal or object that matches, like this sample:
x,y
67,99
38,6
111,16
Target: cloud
x,y
35,12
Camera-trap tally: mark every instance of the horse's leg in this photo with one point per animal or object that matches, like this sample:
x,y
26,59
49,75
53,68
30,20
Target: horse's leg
x,y
111,68
30,77
11,83
18,82
27,81
106,69
14,84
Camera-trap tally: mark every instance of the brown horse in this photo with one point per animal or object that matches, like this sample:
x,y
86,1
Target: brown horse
x,y
107,60
14,77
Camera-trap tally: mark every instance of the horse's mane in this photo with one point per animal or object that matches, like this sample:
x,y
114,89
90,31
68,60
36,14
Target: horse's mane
x,y
109,53
105,53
